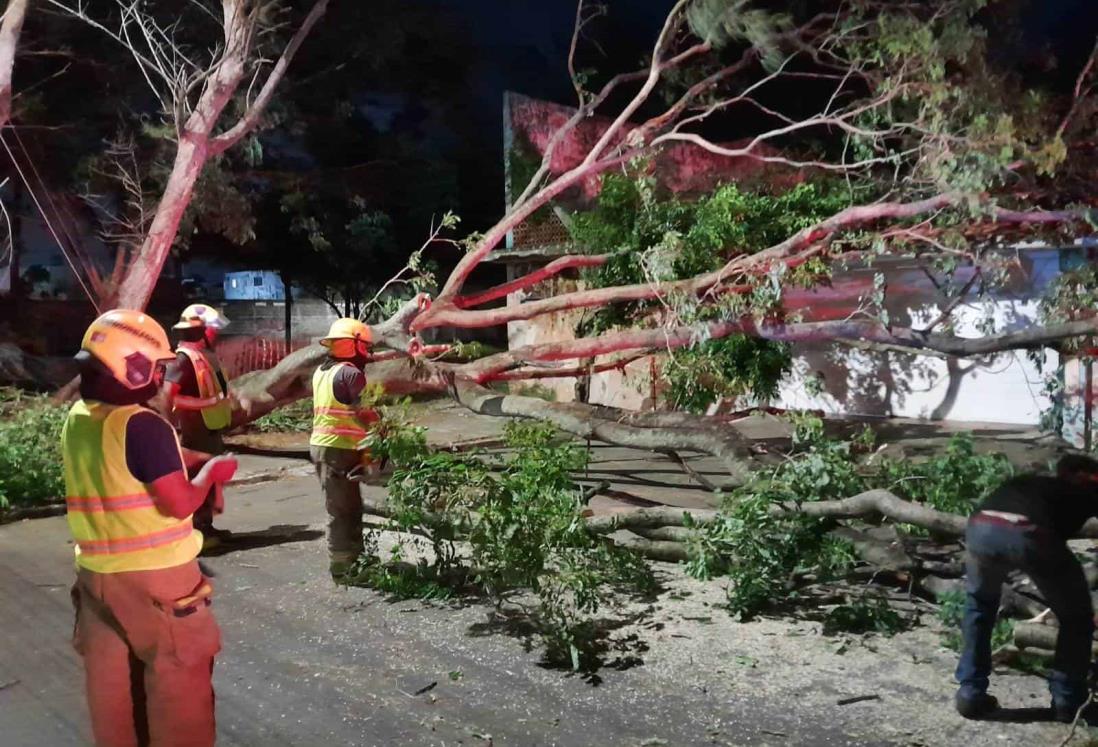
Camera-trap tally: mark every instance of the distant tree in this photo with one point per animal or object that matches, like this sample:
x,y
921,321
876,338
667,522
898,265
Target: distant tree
x,y
195,61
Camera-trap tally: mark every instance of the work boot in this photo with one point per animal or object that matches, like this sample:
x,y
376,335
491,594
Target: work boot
x,y
975,706
1065,713
341,567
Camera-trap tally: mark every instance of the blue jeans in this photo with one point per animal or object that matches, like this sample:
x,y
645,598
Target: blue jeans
x,y
994,551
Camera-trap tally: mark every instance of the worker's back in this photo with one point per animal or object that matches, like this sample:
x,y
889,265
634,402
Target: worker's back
x,y
1051,502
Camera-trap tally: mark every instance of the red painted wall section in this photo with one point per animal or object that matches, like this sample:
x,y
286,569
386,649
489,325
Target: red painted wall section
x,y
680,168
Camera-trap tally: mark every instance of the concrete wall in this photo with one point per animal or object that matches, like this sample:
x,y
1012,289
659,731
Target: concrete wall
x,y
1006,388
310,318
630,389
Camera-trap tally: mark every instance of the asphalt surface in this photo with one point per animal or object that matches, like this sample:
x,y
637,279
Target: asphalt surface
x,y
307,663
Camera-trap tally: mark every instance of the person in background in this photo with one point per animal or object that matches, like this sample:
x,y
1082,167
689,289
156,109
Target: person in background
x,y
144,625
1025,525
198,394
340,424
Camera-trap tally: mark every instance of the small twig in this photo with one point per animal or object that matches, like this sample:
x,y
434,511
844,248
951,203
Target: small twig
x,y
701,479
6,685
857,699
1075,722
425,689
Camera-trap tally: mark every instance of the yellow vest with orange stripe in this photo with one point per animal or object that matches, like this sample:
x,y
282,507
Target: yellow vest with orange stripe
x,y
216,409
335,425
111,515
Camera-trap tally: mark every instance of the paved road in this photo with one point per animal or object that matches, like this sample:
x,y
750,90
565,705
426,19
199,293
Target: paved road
x,y
308,664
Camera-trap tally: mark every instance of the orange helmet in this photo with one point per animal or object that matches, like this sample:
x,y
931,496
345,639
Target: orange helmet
x,y
348,338
129,344
201,315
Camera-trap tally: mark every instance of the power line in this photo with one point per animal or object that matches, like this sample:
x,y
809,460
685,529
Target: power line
x,y
46,220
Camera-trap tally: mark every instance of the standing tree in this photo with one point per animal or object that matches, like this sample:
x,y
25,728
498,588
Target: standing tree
x,y
198,85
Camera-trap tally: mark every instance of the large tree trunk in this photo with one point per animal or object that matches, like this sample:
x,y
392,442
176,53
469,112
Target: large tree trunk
x,y
146,266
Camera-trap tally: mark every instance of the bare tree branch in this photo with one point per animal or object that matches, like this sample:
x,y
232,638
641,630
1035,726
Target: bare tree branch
x,y
10,29
252,116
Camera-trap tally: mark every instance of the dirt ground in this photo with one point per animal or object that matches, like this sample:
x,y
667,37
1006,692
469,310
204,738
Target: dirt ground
x,y
306,663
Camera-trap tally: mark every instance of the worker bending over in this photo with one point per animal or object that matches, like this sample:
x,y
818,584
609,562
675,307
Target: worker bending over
x,y
143,621
1025,525
198,394
340,424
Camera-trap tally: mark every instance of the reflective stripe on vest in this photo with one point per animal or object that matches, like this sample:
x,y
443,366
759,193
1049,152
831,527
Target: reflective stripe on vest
x,y
335,425
112,517
216,409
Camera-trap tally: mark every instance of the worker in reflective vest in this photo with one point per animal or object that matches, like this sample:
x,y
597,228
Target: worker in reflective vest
x,y
340,424
198,393
144,626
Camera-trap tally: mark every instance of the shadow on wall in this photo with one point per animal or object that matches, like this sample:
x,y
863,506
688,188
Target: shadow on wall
x,y
845,380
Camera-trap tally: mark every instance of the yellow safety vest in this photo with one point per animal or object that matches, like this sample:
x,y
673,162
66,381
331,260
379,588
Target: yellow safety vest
x,y
111,515
216,409
335,424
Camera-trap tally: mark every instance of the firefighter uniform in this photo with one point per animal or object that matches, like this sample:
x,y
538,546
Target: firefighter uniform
x,y
144,626
340,424
200,405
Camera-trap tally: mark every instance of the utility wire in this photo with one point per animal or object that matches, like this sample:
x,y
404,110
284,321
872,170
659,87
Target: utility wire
x,y
47,221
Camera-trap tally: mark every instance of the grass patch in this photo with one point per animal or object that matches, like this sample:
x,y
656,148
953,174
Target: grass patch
x,y
30,449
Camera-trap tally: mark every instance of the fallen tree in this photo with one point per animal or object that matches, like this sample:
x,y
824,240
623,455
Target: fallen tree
x,y
752,258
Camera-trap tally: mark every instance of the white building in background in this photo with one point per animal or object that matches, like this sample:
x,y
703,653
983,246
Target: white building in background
x,y
843,380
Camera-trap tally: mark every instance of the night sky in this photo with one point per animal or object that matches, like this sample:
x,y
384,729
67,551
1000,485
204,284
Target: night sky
x,y
522,46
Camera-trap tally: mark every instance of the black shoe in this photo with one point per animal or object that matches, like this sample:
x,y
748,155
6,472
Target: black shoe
x,y
976,706
1066,714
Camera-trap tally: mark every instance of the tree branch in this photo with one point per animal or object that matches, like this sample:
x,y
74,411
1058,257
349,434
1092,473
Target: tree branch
x,y
542,274
584,421
10,29
251,117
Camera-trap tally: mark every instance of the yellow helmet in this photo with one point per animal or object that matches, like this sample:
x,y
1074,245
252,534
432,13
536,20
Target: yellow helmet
x,y
129,344
348,329
201,315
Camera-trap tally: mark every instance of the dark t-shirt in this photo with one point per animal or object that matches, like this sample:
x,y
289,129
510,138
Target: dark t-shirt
x,y
349,383
1050,502
151,448
181,372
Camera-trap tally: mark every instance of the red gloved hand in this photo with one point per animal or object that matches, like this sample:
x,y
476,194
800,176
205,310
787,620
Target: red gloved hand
x,y
221,469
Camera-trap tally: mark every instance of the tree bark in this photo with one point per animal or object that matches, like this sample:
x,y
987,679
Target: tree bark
x,y
146,266
1039,636
10,29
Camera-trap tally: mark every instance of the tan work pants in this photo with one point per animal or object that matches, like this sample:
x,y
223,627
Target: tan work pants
x,y
343,499
148,665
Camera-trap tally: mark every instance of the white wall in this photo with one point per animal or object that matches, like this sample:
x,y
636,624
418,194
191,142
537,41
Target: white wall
x,y
1004,389
1008,388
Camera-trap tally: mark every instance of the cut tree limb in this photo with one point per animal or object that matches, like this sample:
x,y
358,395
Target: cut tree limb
x,y
1038,636
882,503
667,552
582,420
